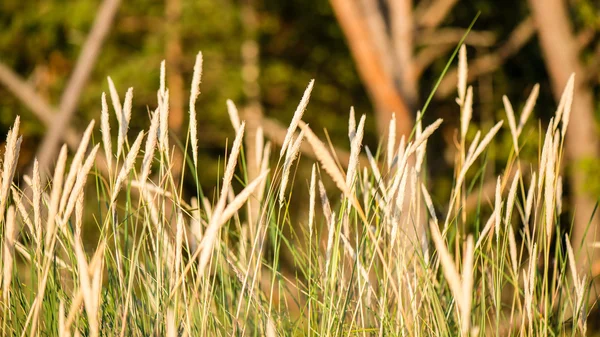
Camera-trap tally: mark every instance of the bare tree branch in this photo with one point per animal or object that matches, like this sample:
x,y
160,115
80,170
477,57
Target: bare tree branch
x,y
492,61
41,109
561,55
435,13
379,33
402,39
378,83
454,35
72,93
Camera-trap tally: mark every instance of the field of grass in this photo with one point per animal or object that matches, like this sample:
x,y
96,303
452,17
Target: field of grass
x,y
375,257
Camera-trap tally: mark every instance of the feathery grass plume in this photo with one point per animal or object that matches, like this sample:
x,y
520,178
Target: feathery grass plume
x,y
486,229
163,108
530,195
448,267
351,124
510,114
544,158
105,128
467,112
471,159
297,116
241,198
467,282
429,203
266,155
429,130
259,144
150,147
569,89
178,242
376,175
474,144
234,116
18,202
325,158
498,207
420,148
124,126
312,197
355,152
195,91
210,235
11,233
512,194
129,162
79,185
325,205
290,156
559,194
462,74
162,79
512,244
571,258
115,99
9,165
195,223
391,143
528,108
76,165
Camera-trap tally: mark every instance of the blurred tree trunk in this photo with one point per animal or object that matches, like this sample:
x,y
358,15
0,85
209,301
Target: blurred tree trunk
x,y
174,77
561,54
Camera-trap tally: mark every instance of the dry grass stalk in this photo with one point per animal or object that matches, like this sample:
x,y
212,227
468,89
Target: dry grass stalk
x,y
569,89
129,162
467,112
150,147
312,197
10,235
290,156
79,185
355,152
125,118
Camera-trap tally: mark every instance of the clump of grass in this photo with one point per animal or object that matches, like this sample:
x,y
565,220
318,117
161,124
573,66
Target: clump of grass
x,y
378,261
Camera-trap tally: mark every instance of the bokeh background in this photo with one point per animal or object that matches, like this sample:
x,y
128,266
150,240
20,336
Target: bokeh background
x,y
261,54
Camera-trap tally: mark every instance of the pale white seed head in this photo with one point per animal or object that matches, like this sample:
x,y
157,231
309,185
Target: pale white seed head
x,y
105,128
355,152
391,143
569,91
498,207
234,116
512,244
510,114
462,74
528,108
512,194
351,124
115,99
150,147
194,92
129,162
530,195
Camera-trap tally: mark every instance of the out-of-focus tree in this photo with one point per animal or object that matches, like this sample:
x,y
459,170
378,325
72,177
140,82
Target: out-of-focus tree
x,y
562,55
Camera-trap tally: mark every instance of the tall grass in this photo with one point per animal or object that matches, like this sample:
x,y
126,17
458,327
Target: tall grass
x,y
379,258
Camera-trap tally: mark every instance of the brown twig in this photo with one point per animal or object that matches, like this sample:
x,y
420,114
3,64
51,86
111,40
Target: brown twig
x,y
435,13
